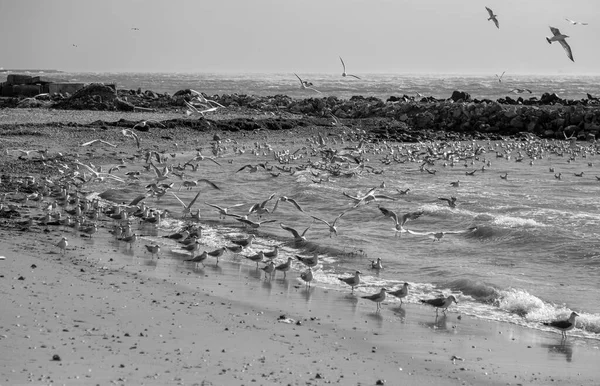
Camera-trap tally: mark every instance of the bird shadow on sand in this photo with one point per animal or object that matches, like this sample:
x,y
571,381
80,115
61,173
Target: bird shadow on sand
x,y
440,324
564,348
376,317
400,312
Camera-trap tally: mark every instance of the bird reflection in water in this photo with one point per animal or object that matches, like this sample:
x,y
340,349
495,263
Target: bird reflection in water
x,y
563,348
377,317
400,312
440,324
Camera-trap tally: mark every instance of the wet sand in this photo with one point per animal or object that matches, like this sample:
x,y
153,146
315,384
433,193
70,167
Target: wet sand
x,y
116,315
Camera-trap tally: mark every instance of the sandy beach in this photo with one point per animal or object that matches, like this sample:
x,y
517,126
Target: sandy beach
x,y
102,313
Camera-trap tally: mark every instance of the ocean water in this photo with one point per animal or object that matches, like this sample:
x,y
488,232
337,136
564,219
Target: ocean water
x,y
378,85
518,250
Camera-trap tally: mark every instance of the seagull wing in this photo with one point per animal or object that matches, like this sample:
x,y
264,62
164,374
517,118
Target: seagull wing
x,y
496,22
295,204
193,201
354,76
490,12
301,82
341,60
179,199
89,143
555,31
567,48
292,230
338,217
320,219
209,183
244,167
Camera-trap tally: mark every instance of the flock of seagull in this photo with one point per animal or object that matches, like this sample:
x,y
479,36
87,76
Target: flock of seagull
x,y
84,215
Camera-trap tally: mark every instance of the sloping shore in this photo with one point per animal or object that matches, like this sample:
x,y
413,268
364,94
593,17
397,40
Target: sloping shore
x,y
114,314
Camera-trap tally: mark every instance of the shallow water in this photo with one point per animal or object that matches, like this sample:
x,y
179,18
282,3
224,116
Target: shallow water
x,y
533,256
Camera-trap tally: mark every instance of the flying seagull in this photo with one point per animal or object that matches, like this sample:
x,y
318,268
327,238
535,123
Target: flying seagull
x,y
306,84
558,37
345,74
575,22
493,17
500,77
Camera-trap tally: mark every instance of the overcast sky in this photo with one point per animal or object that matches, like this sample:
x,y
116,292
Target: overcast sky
x,y
306,36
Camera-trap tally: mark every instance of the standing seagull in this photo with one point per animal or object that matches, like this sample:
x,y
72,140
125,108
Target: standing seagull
x,y
558,37
401,293
564,325
352,281
377,298
442,303
306,85
493,17
345,74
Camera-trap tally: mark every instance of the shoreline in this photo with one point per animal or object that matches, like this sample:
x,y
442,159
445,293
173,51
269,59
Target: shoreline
x,y
221,324
132,319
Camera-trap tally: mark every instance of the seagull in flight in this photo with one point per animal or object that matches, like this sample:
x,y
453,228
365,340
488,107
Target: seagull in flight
x,y
559,37
575,22
345,74
332,227
306,84
399,221
130,134
500,77
493,17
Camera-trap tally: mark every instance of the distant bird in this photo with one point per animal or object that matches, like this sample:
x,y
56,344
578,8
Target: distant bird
x,y
558,176
269,269
135,29
253,224
199,259
143,124
564,325
377,264
493,17
297,236
153,249
130,134
559,37
455,184
62,244
520,90
332,227
223,211
573,22
306,85
284,267
345,74
309,261
399,221
97,141
401,293
377,298
505,176
307,276
451,201
352,281
290,200
442,303
578,174
252,168
500,77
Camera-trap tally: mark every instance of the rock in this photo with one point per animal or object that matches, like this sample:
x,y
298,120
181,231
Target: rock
x,y
460,95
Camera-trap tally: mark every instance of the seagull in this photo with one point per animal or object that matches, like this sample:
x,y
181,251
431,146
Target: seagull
x,y
558,37
253,224
192,110
493,17
564,325
307,276
269,269
62,244
367,198
189,184
97,141
272,254
284,267
217,253
290,200
377,298
252,168
306,85
451,201
575,22
244,243
130,134
352,281
520,90
259,208
257,258
223,211
401,293
135,29
500,77
443,303
400,221
200,258
297,236
153,249
505,176
309,261
332,227
187,208
344,74
376,264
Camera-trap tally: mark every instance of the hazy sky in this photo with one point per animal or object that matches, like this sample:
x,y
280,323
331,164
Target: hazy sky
x,y
303,36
